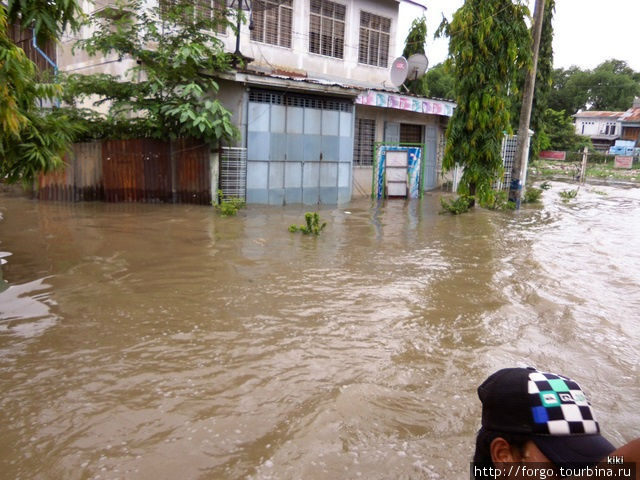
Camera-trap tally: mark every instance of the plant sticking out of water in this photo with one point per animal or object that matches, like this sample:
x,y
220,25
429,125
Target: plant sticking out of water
x,y
499,201
567,195
229,206
545,185
599,192
532,195
460,205
312,227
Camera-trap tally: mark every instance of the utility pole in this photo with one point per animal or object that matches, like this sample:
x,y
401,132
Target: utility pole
x,y
518,173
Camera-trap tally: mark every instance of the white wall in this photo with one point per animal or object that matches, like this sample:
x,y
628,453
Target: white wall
x,y
298,56
590,126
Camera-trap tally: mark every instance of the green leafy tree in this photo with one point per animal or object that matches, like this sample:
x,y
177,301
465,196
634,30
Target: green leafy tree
x,y
32,139
415,43
440,82
560,132
47,19
170,91
544,81
543,85
489,43
612,85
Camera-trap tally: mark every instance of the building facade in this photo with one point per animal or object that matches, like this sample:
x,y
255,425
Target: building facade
x,y
603,128
314,97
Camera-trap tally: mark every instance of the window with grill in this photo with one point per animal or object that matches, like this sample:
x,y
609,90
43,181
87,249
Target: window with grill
x,y
410,133
326,28
375,32
272,20
209,10
364,137
214,10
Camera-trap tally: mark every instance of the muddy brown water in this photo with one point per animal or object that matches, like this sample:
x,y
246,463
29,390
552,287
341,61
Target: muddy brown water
x,y
162,341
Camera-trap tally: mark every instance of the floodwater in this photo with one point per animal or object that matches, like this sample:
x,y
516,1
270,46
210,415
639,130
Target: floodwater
x,y
166,342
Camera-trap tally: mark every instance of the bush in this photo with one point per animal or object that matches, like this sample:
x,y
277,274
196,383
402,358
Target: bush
x,y
499,201
532,195
567,195
229,206
460,205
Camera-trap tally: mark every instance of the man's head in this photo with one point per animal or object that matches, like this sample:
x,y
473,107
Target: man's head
x,y
537,415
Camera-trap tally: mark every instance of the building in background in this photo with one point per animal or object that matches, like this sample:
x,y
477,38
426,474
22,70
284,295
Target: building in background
x,y
630,123
603,128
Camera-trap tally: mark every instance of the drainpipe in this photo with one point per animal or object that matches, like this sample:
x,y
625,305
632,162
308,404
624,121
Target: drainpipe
x,y
46,57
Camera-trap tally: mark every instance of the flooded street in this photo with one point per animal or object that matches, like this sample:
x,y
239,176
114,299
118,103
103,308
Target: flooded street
x,y
166,342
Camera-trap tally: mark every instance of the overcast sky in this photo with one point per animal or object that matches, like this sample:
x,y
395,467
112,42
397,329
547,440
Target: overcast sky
x,y
586,32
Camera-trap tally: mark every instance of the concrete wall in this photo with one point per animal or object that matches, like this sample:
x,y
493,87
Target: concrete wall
x,y
590,126
298,56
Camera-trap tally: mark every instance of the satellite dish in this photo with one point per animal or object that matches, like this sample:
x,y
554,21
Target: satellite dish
x,y
399,71
418,64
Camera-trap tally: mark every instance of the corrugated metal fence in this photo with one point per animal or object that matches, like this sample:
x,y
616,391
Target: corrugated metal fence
x,y
139,170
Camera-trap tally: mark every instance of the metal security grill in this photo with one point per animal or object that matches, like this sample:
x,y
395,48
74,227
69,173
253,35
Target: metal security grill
x,y
508,157
272,20
299,100
373,48
410,133
326,28
364,136
233,172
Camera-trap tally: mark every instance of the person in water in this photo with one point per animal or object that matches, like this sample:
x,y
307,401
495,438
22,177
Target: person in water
x,y
541,425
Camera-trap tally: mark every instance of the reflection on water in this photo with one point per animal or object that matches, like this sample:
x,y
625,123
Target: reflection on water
x,y
159,341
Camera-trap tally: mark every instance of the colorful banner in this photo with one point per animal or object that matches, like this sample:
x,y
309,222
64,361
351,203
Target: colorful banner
x,y
404,102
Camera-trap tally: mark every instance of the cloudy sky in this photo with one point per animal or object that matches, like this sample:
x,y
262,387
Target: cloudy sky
x,y
586,32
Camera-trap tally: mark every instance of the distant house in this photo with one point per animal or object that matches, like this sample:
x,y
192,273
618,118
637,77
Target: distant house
x,y
603,128
630,123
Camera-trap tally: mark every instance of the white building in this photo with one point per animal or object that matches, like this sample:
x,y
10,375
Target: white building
x,y
314,98
603,128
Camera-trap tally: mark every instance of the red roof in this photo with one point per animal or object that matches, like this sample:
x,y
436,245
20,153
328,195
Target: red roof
x,y
598,114
631,116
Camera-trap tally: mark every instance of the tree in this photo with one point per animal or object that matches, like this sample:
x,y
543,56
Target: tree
x,y
440,82
560,132
32,139
544,81
569,91
612,85
489,44
170,91
48,20
414,43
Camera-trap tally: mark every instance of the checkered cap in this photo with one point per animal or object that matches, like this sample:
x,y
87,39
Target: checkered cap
x,y
558,405
551,408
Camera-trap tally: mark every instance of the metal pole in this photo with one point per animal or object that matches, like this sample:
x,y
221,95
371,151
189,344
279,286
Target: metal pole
x,y
515,190
583,168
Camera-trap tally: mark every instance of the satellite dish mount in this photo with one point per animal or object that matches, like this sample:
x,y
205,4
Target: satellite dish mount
x,y
418,64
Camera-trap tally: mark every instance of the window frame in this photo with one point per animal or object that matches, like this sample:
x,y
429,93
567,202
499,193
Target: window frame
x,y
374,34
360,147
263,21
335,50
